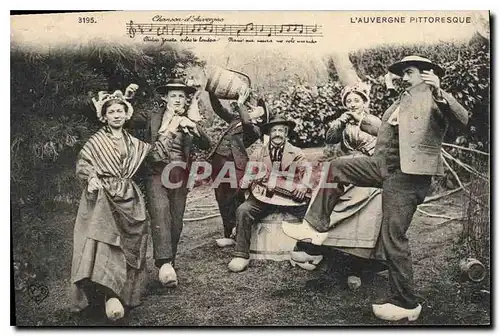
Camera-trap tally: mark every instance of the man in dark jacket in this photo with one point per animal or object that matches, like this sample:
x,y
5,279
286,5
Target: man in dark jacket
x,y
172,128
231,149
407,154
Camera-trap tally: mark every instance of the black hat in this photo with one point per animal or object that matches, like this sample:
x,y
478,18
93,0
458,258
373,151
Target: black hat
x,y
416,61
175,84
277,120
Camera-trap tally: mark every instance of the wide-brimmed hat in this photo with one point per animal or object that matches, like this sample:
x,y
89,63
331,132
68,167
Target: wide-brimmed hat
x,y
277,120
175,84
421,63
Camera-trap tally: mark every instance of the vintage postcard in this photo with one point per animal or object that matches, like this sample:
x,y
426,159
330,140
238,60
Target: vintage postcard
x,y
251,168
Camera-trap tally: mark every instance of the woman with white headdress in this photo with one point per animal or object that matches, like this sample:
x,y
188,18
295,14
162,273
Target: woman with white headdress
x,y
353,133
346,130
110,235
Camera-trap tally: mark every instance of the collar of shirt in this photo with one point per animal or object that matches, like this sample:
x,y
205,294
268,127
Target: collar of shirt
x,y
417,88
394,117
280,147
276,152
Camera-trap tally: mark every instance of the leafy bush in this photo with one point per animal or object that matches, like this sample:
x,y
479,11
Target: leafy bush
x,y
311,107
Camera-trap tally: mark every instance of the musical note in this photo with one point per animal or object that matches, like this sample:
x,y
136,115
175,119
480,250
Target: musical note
x,y
301,28
249,25
270,31
249,29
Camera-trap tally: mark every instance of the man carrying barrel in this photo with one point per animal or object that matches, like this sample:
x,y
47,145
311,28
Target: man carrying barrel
x,y
283,162
231,149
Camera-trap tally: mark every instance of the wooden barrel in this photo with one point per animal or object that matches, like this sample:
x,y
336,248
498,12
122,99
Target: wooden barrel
x,y
226,84
268,240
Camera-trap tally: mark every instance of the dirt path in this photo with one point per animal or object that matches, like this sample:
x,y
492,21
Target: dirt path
x,y
274,293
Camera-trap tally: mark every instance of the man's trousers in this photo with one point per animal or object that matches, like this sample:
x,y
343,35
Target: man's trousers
x,y
166,208
229,197
249,213
401,195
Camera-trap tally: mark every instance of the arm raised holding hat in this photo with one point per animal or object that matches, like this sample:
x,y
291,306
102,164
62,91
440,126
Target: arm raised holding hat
x,y
446,102
430,74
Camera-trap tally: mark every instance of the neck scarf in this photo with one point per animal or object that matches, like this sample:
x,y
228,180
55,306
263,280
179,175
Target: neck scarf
x,y
170,122
276,152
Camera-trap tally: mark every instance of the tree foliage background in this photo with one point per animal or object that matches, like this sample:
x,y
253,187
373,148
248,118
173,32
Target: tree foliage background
x,y
52,116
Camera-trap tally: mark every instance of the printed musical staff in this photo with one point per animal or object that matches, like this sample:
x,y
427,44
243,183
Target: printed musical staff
x,y
236,30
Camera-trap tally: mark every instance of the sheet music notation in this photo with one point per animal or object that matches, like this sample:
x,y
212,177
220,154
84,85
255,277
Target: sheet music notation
x,y
235,30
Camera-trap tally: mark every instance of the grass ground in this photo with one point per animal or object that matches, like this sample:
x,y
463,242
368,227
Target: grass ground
x,y
275,294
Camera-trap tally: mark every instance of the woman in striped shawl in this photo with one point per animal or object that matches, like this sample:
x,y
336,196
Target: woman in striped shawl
x,y
110,235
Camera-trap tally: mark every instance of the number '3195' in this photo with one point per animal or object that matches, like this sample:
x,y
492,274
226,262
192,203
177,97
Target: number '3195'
x,y
87,20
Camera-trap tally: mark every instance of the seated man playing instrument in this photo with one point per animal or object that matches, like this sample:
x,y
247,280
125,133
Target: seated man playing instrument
x,y
271,193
